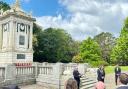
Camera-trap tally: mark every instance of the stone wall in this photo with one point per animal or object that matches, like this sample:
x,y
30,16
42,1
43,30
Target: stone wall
x,y
58,75
11,74
50,75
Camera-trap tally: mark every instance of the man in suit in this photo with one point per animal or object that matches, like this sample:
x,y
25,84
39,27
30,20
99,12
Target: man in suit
x,y
101,74
77,76
117,73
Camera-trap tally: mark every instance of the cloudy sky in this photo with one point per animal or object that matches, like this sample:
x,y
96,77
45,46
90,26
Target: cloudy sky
x,y
80,18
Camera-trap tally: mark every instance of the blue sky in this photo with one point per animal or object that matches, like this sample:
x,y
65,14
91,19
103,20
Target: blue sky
x,y
80,18
40,7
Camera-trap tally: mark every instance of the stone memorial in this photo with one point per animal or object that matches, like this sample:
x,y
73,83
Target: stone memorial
x,y
16,29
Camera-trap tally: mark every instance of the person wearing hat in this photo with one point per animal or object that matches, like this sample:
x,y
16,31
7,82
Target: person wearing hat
x,y
123,80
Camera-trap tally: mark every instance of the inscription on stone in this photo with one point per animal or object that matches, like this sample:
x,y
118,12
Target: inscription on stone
x,y
22,40
20,56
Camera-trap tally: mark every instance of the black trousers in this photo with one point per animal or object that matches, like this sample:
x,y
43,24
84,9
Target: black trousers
x,y
103,80
116,78
78,82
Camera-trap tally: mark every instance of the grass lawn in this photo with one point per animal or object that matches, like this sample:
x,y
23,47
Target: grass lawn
x,y
110,69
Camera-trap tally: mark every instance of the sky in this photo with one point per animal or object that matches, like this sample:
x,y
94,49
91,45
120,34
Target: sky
x,y
80,18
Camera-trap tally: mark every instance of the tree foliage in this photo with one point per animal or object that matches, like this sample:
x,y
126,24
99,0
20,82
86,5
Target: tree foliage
x,y
4,6
90,51
54,45
36,31
77,59
120,51
106,42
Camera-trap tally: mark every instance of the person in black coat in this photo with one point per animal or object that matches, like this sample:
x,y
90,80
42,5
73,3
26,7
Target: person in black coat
x,y
117,73
101,74
77,76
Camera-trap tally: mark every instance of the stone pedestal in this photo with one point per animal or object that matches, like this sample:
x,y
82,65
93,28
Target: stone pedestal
x,y
10,72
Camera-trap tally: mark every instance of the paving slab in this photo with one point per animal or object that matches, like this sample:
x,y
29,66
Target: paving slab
x,y
33,87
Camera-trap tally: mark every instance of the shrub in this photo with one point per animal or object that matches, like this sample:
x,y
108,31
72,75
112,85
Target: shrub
x,y
77,59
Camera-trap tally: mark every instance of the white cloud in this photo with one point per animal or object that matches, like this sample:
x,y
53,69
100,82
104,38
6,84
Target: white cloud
x,y
88,17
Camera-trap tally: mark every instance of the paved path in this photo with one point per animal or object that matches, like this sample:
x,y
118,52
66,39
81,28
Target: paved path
x,y
32,87
110,81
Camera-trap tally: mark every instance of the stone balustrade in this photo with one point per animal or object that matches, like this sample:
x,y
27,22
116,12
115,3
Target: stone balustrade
x,y
47,70
24,70
68,68
50,74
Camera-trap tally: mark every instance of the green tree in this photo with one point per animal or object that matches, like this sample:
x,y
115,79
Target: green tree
x,y
4,6
120,51
106,42
54,45
36,34
90,52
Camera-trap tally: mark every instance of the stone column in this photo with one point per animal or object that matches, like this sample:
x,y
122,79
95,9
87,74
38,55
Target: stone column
x,y
11,28
57,74
35,64
13,35
10,72
30,35
1,37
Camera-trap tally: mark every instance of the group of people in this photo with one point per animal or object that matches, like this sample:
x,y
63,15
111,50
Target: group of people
x,y
120,78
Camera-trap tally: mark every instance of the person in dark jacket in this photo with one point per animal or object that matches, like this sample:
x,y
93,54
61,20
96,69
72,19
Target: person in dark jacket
x,y
117,73
101,74
77,76
123,79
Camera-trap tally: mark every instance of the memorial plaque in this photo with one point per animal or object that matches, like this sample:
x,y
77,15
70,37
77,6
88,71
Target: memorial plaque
x,y
21,40
20,56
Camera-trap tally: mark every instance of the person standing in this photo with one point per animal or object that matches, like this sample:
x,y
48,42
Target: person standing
x,y
101,74
77,76
117,73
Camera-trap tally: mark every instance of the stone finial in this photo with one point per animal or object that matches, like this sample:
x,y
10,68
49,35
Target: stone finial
x,y
16,5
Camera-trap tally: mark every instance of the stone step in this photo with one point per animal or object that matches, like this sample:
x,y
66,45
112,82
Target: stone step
x,y
87,83
91,86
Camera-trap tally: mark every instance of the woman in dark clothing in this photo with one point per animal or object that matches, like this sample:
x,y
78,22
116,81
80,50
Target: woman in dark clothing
x,y
101,74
